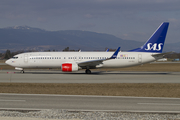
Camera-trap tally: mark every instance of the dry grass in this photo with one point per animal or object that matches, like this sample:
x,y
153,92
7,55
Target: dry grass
x,y
114,89
2,61
6,67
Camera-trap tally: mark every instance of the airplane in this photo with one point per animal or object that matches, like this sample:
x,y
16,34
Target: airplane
x,y
74,61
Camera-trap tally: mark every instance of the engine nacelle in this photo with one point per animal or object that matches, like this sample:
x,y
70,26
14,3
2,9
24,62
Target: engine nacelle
x,y
69,67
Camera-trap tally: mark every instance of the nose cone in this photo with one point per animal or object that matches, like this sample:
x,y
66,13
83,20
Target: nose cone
x,y
8,62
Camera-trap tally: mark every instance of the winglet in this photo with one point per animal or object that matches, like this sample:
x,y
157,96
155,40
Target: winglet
x,y
115,53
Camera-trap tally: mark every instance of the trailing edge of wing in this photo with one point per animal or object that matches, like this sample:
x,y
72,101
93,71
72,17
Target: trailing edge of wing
x,y
91,63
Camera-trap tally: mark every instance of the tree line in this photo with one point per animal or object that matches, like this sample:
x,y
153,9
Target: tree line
x,y
8,54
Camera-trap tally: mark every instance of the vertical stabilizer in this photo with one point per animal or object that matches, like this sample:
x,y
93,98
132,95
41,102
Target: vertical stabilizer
x,y
156,41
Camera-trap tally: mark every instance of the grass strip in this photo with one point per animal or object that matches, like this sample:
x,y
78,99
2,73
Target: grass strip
x,y
106,89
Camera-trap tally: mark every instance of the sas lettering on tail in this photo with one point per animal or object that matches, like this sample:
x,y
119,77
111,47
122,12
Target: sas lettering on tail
x,y
154,47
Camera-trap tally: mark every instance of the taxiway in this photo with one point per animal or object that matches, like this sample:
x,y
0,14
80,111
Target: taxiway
x,y
88,103
96,77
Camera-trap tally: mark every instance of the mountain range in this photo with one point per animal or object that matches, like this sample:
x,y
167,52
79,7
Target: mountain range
x,y
28,38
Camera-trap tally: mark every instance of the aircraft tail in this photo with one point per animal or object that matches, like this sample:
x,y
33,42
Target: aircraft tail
x,y
155,43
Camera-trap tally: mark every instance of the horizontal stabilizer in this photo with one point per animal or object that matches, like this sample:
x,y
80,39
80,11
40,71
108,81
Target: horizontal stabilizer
x,y
161,54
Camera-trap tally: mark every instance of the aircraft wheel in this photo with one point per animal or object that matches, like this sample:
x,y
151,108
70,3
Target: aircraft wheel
x,y
88,71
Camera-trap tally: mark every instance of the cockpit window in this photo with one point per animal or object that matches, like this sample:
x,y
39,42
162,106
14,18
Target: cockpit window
x,y
15,57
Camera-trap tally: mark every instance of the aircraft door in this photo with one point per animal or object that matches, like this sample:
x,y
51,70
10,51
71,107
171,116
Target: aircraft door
x,y
140,58
26,58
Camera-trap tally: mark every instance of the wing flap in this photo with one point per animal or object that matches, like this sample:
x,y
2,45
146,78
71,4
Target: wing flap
x,y
90,63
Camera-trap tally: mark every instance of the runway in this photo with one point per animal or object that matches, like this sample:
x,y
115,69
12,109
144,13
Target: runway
x,y
89,103
96,77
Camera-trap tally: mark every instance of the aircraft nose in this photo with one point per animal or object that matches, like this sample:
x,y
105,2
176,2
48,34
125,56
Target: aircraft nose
x,y
7,62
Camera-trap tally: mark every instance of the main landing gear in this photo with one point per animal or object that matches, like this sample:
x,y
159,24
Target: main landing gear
x,y
88,71
22,71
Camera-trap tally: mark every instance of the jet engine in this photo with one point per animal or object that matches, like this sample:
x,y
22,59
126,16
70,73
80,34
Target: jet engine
x,y
69,67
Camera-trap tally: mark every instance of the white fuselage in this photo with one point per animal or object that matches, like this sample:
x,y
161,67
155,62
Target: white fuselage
x,y
56,59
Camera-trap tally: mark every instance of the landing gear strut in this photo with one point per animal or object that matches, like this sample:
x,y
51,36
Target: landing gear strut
x,y
88,71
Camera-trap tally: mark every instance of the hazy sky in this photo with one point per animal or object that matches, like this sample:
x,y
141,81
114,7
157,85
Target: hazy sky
x,y
127,19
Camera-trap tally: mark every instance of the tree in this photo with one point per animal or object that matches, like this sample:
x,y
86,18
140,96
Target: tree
x,y
66,49
8,54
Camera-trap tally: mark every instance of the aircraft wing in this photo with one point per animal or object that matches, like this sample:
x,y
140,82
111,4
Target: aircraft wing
x,y
99,61
161,54
91,63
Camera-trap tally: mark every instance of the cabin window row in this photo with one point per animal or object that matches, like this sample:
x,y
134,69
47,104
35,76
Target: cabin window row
x,y
87,57
99,58
45,57
80,57
128,58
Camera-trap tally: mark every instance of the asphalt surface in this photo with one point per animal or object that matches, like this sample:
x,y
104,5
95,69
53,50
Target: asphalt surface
x,y
89,103
48,76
